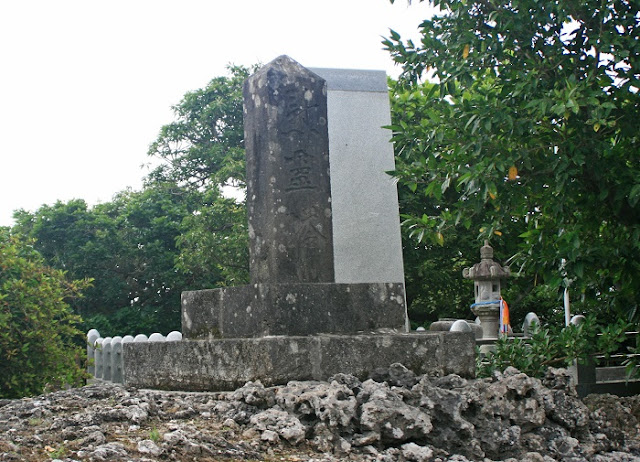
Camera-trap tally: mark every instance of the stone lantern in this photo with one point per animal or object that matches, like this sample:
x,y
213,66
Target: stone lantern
x,y
487,277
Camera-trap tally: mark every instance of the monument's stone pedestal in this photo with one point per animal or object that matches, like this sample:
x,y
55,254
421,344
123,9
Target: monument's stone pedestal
x,y
259,310
227,364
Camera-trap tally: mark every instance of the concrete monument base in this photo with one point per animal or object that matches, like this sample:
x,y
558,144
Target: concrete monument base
x,y
258,310
226,364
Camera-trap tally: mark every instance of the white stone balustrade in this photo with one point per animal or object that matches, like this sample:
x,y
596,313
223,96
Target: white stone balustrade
x,y
92,336
106,355
116,359
98,358
460,326
106,359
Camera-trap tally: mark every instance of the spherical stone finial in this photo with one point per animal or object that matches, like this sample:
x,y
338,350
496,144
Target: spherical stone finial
x,y
174,336
92,336
156,337
486,251
460,326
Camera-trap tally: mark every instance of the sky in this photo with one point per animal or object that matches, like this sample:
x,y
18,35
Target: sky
x,y
85,85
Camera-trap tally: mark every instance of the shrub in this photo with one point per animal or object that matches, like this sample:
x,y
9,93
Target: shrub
x,y
554,347
40,345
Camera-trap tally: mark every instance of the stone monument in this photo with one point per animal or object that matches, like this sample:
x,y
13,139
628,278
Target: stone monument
x,y
293,288
288,185
296,320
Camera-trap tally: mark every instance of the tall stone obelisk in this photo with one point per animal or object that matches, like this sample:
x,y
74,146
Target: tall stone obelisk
x,y
288,181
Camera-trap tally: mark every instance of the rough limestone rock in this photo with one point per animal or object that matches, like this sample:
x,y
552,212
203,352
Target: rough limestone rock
x,y
332,403
396,417
385,415
275,423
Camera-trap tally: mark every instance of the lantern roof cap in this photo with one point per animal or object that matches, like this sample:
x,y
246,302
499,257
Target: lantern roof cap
x,y
487,269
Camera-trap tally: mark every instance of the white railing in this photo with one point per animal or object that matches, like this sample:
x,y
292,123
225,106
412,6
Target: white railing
x,y
105,358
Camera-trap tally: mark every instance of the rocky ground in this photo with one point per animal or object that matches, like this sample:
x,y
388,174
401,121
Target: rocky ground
x,y
395,416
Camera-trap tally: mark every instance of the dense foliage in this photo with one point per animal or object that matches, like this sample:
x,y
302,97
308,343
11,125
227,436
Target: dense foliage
x,y
127,246
526,133
38,334
203,148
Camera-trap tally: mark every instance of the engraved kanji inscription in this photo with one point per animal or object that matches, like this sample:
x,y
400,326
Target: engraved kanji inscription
x,y
288,185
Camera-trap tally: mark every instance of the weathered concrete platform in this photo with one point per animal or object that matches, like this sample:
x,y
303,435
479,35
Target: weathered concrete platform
x,y
260,310
226,364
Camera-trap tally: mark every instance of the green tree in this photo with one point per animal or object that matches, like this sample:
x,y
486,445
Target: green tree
x,y
72,237
433,264
531,129
434,284
214,241
38,334
128,248
202,151
203,147
147,225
